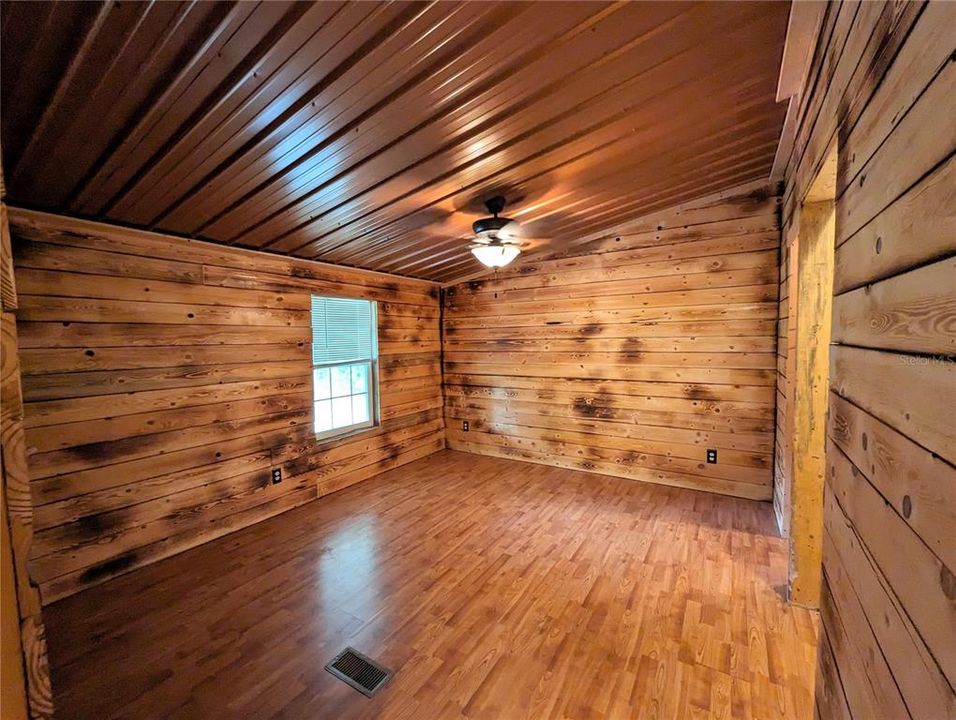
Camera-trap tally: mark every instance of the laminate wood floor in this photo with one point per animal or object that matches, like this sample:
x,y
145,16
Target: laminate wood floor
x,y
494,588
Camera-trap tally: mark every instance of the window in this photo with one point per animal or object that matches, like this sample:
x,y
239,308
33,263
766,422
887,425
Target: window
x,y
344,365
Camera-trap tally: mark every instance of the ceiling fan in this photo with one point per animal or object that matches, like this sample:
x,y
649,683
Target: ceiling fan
x,y
496,238
493,239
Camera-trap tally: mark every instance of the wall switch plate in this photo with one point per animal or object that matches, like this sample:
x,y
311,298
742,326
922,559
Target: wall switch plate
x,y
464,425
711,456
276,476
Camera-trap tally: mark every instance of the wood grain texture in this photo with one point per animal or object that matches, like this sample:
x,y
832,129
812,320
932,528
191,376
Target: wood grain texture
x,y
811,369
8,285
494,589
14,695
164,378
32,682
882,84
368,134
13,683
630,357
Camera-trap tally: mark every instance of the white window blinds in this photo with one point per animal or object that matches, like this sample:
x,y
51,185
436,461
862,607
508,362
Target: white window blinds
x,y
343,330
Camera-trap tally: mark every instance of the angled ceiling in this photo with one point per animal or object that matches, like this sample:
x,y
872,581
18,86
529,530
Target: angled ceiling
x,y
367,134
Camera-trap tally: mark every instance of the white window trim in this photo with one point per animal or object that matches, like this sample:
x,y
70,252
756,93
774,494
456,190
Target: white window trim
x,y
373,385
373,420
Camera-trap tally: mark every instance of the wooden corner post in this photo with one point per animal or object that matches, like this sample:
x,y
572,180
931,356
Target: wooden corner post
x,y
814,299
21,599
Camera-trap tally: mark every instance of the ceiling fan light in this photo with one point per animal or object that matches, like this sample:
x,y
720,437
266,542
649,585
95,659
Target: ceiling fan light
x,y
495,255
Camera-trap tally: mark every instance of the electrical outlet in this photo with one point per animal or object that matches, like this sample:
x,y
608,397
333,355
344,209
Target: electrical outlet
x,y
464,425
276,476
712,456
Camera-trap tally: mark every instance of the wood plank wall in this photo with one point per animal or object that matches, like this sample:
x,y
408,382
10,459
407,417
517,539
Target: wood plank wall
x,y
634,355
164,378
883,85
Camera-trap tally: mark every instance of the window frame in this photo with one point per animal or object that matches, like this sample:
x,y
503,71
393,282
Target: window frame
x,y
372,383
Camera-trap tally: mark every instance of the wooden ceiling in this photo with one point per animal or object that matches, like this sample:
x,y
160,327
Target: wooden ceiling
x,y
367,134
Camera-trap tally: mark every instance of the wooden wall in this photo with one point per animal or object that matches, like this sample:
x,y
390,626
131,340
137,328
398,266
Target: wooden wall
x,y
164,378
883,88
634,355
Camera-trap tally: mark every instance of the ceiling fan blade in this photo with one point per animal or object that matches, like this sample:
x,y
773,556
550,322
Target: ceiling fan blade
x,y
534,243
472,202
511,231
444,225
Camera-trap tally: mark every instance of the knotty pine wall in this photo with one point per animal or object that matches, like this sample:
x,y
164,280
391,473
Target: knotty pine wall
x,y
164,378
632,356
883,86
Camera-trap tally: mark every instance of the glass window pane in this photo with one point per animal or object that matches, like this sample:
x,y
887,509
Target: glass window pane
x,y
360,408
359,378
323,416
341,384
341,412
320,384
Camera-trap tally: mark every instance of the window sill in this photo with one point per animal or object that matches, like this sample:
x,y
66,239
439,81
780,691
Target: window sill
x,y
347,434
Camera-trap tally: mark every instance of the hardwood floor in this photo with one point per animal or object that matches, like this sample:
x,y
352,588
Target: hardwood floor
x,y
494,588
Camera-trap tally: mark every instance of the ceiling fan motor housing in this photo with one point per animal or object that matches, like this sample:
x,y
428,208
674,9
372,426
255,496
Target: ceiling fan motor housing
x,y
489,227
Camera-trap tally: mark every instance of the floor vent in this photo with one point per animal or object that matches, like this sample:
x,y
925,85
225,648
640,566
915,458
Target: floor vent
x,y
362,673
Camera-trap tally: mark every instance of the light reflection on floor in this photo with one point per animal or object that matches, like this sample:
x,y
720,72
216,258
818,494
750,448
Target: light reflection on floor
x,y
348,567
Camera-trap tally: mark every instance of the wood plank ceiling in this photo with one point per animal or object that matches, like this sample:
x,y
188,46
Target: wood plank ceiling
x,y
367,134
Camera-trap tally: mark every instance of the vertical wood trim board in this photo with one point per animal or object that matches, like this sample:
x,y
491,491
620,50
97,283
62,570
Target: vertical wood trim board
x,y
786,372
883,82
13,683
28,686
164,378
13,692
631,360
813,293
